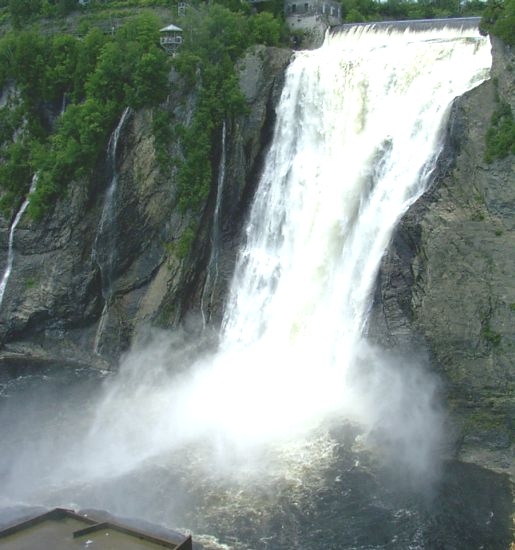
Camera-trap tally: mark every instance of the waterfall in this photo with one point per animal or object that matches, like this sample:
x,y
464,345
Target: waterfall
x,y
212,268
358,134
106,228
360,125
254,439
104,246
10,250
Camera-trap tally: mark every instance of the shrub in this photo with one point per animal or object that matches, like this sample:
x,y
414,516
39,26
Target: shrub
x,y
499,19
500,137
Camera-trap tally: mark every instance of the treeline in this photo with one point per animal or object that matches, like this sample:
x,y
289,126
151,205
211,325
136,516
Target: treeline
x,y
215,37
23,12
499,20
355,11
93,79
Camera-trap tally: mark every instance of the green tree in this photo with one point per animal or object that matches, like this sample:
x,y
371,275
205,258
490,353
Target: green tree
x,y
500,137
499,20
87,55
265,29
23,11
354,16
149,81
61,66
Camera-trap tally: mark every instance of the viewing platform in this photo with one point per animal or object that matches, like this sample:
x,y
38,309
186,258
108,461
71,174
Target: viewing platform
x,y
170,39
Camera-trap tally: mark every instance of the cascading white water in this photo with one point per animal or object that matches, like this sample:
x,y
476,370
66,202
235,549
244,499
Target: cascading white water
x,y
359,127
358,134
10,250
106,229
212,268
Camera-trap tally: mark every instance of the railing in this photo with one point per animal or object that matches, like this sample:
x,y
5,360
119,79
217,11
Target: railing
x,y
164,40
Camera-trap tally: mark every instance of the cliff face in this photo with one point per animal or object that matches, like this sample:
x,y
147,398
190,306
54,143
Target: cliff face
x,y
79,294
92,273
447,281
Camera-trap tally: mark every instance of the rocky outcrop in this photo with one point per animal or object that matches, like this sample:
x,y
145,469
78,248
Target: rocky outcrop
x,y
198,295
83,282
447,282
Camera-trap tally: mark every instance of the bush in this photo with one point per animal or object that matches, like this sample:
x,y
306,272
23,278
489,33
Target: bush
x,y
99,76
500,137
220,38
499,19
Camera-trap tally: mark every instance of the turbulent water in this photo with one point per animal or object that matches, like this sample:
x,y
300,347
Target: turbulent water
x,y
297,433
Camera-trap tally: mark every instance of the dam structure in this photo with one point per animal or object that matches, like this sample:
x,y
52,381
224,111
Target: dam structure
x,y
416,24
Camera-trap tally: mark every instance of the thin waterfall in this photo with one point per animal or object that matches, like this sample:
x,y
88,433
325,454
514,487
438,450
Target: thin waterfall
x,y
64,103
104,246
212,268
10,250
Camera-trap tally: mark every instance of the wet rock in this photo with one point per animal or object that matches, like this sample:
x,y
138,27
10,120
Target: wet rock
x,y
58,298
447,282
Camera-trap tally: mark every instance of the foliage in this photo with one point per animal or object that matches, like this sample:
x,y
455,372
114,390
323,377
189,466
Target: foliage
x,y
355,11
163,131
97,76
215,37
499,20
185,242
492,337
23,11
265,29
14,169
500,136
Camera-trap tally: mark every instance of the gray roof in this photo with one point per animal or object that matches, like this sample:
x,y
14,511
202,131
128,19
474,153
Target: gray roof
x,y
170,28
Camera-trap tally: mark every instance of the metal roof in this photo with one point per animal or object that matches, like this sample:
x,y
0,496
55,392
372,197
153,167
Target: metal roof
x,y
170,28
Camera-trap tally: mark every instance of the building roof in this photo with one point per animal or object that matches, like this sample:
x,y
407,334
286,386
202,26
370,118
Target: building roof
x,y
170,28
62,529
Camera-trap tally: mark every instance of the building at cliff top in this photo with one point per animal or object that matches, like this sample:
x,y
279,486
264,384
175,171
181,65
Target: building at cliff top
x,y
312,16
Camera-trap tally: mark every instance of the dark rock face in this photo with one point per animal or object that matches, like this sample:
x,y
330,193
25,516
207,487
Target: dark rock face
x,y
81,287
261,74
447,281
